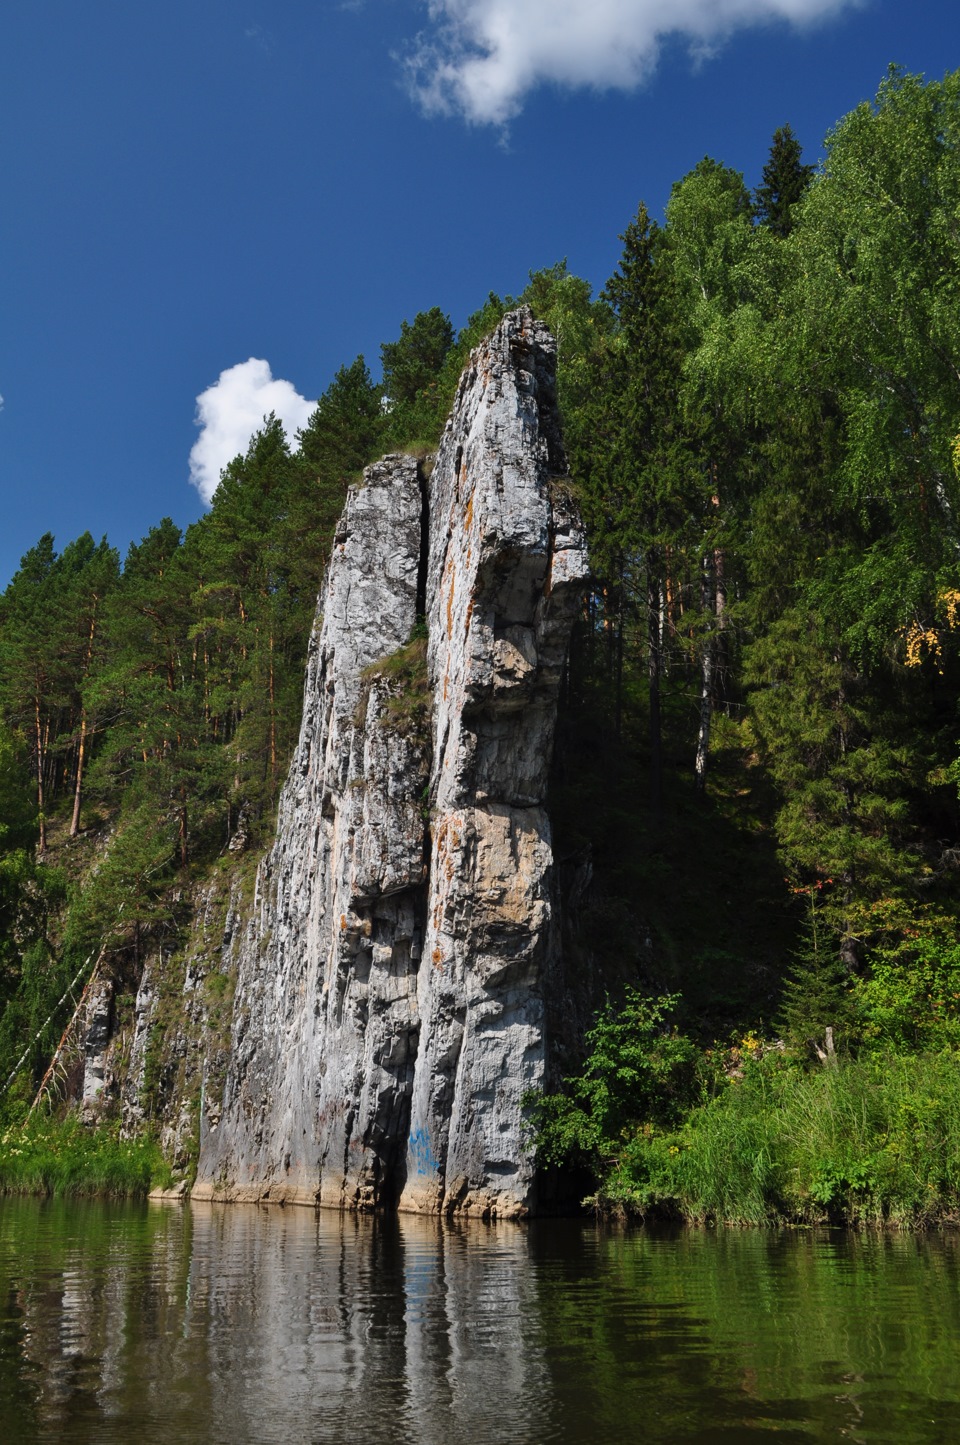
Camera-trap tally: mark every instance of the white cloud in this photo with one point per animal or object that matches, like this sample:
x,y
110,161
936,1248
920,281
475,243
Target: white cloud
x,y
231,410
484,56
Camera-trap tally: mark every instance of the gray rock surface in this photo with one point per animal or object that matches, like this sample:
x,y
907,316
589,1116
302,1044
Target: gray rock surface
x,y
389,1006
315,1101
506,569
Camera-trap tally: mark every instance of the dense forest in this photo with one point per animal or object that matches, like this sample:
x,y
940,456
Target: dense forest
x,y
758,757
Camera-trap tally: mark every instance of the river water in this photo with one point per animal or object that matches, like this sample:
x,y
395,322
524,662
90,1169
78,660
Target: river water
x,y
144,1323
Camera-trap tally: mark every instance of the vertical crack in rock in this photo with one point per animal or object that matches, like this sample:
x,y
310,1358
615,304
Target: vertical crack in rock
x,y
389,1013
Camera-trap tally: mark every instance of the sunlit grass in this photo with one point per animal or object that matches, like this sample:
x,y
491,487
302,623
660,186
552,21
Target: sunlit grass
x,y
52,1157
872,1141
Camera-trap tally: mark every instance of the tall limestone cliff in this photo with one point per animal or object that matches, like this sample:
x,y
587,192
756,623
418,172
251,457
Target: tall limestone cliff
x,y
389,1013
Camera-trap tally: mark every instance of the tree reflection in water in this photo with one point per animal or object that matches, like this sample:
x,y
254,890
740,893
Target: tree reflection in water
x,y
235,1323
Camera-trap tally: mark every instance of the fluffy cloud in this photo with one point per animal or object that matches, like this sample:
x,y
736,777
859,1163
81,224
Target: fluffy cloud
x,y
483,56
231,410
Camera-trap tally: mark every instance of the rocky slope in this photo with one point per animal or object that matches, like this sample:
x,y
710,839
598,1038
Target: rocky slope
x,y
389,1009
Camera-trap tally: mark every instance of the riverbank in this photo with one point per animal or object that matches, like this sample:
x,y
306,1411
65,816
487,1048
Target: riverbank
x,y
759,1132
860,1142
66,1158
869,1142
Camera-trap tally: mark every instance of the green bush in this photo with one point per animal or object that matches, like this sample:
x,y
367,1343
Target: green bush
x,y
752,1134
911,1000
639,1067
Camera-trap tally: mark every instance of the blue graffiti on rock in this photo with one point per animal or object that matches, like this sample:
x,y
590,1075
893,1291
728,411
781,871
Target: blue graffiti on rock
x,y
421,1153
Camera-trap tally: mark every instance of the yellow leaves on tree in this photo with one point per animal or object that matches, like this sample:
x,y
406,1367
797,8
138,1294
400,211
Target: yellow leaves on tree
x,y
921,642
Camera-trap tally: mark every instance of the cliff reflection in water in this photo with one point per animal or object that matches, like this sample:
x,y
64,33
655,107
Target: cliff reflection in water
x,y
126,1323
245,1323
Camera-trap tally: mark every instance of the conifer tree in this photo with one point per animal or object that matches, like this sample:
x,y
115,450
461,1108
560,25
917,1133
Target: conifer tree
x,y
33,685
344,431
412,362
628,454
816,1010
707,241
412,370
785,178
90,573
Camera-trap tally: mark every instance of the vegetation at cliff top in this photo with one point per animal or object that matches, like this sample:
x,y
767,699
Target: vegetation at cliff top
x,y
755,788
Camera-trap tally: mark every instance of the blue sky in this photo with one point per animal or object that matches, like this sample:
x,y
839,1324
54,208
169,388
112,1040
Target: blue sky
x,y
188,186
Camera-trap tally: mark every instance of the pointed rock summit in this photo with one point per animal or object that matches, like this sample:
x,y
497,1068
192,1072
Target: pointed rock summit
x,y
389,1013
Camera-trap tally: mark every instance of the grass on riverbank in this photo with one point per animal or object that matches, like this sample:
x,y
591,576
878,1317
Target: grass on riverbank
x,y
869,1141
755,1132
51,1157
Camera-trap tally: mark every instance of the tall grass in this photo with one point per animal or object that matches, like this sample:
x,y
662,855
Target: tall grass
x,y
53,1157
874,1140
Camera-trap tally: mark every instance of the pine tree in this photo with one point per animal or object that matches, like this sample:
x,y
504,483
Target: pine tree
x,y
630,456
816,1010
785,178
412,371
90,572
708,240
33,686
343,434
412,362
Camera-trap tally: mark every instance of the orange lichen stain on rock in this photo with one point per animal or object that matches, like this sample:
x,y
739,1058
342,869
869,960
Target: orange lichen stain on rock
x,y
343,923
466,625
437,957
468,514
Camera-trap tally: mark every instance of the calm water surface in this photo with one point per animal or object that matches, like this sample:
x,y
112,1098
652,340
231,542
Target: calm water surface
x,y
235,1324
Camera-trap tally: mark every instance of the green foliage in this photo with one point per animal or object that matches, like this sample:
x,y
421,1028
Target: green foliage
x,y
411,363
871,1141
18,814
342,436
910,999
412,372
125,900
58,1158
840,770
817,991
29,893
639,1070
785,179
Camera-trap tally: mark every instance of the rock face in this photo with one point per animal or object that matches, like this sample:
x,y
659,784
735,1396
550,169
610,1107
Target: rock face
x,y
389,1008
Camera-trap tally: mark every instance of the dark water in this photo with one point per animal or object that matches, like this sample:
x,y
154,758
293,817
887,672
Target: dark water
x,y
235,1324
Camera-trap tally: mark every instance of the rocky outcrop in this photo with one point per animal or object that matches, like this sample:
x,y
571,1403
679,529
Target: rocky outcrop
x,y
506,568
389,1013
315,1101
